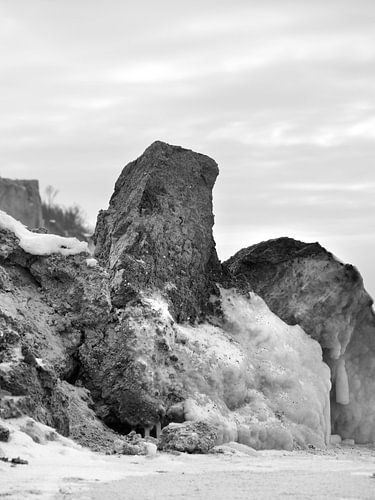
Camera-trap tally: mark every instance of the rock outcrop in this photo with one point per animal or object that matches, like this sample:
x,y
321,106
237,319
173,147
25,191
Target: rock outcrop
x,y
158,332
304,284
148,369
21,199
157,231
46,306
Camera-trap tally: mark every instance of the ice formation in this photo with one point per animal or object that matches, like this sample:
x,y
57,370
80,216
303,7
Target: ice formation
x,y
41,244
260,381
342,383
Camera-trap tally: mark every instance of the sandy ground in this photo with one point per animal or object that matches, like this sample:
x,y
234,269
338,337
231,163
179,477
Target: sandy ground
x,y
62,470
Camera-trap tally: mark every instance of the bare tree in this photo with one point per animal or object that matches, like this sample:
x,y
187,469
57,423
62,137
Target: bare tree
x,y
50,194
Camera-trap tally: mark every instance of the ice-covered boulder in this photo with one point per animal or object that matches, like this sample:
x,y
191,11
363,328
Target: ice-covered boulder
x,y
254,378
304,284
21,199
157,231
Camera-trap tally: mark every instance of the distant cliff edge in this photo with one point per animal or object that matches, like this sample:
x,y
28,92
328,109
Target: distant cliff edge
x,y
21,199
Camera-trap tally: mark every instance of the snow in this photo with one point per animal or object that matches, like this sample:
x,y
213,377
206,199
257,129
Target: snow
x,y
61,470
91,262
14,356
262,382
41,244
159,304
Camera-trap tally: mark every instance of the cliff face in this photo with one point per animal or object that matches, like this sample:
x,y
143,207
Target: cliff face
x,y
157,231
304,284
21,200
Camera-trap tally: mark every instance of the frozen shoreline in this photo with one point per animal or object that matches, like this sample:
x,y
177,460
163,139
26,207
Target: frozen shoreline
x,y
63,470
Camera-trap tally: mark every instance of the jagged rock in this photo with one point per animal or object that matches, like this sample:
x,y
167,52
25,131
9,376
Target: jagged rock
x,y
306,285
189,437
157,231
4,433
47,306
73,416
21,199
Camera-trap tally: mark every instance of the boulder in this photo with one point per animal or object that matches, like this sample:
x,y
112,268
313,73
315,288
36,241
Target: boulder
x,y
305,284
189,437
4,433
21,199
157,231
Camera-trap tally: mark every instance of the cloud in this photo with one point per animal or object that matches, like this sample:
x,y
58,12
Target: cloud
x,y
281,94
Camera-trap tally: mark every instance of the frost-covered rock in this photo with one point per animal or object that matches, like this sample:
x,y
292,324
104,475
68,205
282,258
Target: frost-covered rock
x,y
304,284
256,379
157,231
134,444
47,303
189,437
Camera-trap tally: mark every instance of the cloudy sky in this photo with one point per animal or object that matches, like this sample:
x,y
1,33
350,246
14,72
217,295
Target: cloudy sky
x,y
281,93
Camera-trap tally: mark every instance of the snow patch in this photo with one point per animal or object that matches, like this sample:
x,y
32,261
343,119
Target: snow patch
x,y
41,244
160,305
91,262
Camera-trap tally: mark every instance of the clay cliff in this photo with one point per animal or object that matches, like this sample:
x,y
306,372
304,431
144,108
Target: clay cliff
x,y
21,200
156,332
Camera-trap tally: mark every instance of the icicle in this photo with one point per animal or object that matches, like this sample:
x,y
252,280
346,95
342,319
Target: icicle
x,y
158,430
327,419
342,383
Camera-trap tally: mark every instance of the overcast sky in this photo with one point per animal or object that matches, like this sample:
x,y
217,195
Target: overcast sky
x,y
280,93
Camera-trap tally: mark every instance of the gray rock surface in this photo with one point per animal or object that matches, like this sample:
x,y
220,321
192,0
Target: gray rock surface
x,y
4,433
189,437
21,199
304,284
157,231
46,306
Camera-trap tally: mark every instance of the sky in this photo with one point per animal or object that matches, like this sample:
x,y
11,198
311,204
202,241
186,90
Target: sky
x,y
281,93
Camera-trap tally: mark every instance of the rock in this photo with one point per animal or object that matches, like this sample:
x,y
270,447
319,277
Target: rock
x,y
335,439
134,444
233,448
4,433
157,231
21,199
348,442
304,284
19,461
189,437
73,416
157,334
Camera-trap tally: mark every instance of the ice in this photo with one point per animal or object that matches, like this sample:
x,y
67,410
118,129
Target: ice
x,y
342,383
41,244
262,382
91,262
